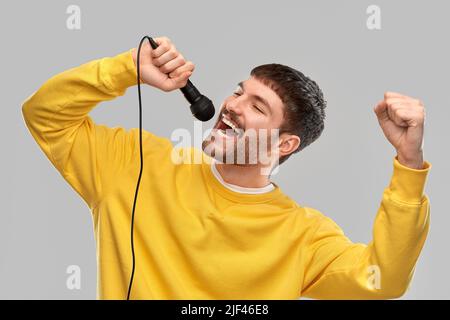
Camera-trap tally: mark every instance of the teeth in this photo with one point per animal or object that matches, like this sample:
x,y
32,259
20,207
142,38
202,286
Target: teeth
x,y
228,122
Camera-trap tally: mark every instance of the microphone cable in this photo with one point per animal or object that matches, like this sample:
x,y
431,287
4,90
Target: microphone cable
x,y
201,107
142,161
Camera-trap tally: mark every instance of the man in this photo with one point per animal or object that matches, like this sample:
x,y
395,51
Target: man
x,y
222,230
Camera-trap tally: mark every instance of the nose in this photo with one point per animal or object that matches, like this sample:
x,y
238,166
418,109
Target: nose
x,y
234,106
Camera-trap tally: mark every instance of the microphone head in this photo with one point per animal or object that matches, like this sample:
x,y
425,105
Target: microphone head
x,y
203,108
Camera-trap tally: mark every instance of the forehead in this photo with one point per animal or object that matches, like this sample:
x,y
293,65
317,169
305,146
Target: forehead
x,y
253,86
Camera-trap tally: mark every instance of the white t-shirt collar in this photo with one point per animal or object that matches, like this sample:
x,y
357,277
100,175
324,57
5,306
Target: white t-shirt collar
x,y
236,188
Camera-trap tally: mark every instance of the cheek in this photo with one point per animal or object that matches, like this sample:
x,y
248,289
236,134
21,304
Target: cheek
x,y
258,122
254,119
266,129
259,129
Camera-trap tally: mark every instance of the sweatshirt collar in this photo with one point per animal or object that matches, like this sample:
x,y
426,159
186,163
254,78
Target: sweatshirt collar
x,y
234,195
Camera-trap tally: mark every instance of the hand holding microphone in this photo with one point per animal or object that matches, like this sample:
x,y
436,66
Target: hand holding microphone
x,y
163,67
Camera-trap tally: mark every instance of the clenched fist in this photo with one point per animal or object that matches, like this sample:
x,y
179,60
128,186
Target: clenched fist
x,y
164,67
402,119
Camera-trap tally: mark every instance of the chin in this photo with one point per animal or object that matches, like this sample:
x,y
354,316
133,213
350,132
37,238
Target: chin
x,y
228,153
213,150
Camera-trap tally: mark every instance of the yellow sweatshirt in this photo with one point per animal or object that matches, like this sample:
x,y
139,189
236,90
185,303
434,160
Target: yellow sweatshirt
x,y
197,239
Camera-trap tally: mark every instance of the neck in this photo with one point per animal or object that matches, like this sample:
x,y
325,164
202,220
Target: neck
x,y
247,176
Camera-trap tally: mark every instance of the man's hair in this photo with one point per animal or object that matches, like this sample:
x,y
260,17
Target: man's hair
x,y
304,105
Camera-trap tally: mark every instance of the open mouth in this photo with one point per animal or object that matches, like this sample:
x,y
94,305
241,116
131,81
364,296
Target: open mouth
x,y
227,128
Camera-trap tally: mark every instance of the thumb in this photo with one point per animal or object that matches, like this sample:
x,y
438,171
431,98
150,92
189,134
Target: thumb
x,y
177,82
182,79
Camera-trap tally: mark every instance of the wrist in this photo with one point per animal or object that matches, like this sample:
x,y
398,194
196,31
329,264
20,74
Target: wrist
x,y
413,162
134,55
133,52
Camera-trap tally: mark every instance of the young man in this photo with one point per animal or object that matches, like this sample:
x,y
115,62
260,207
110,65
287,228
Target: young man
x,y
223,230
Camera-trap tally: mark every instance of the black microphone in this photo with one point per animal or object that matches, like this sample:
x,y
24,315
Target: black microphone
x,y
201,107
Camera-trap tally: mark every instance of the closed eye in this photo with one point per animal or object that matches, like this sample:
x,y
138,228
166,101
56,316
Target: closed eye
x,y
254,106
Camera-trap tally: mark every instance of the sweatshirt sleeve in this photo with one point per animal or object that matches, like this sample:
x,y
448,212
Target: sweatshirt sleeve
x,y
86,154
383,269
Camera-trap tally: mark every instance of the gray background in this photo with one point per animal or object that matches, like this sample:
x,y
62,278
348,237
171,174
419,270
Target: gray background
x,y
45,226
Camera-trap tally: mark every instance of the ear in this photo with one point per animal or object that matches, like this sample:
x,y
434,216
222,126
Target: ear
x,y
288,144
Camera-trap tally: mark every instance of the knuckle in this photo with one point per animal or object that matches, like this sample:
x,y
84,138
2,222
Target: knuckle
x,y
163,69
169,53
190,65
163,47
422,109
394,105
422,113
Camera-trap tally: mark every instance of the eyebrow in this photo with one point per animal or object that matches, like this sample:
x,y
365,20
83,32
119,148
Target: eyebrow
x,y
255,96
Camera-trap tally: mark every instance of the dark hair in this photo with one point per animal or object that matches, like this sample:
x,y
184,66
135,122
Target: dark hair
x,y
304,105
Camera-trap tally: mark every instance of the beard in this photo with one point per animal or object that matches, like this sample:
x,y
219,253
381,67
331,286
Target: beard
x,y
251,148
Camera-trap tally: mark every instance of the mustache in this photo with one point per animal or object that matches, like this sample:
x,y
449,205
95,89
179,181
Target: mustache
x,y
233,116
